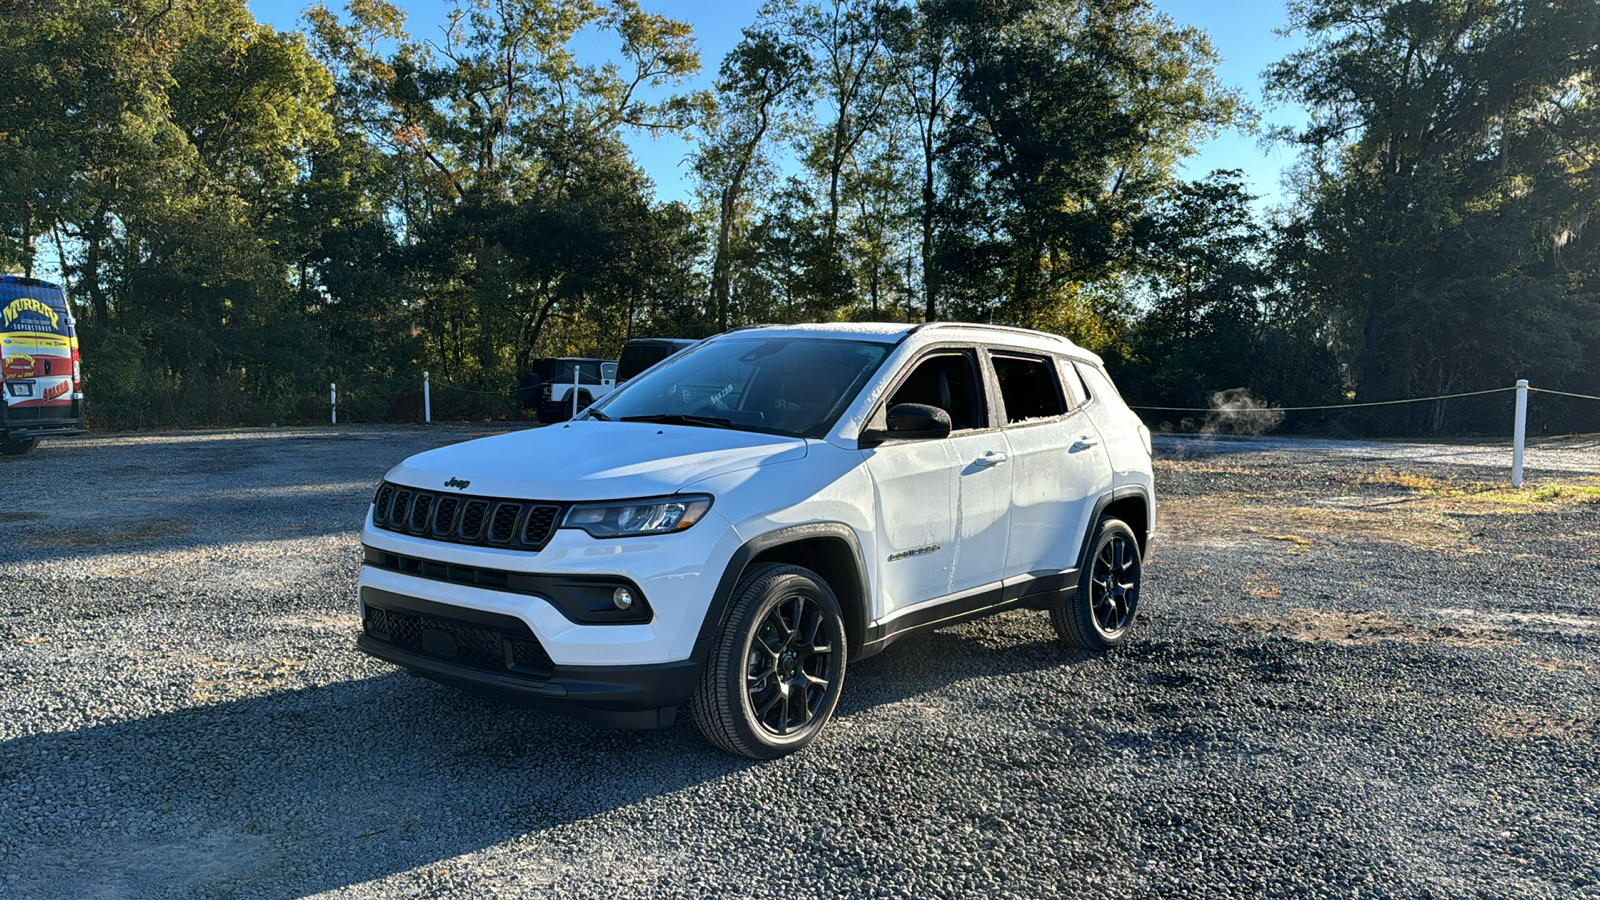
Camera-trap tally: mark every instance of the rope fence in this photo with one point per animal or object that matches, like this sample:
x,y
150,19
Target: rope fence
x,y
428,383
466,390
1563,393
1519,430
1213,409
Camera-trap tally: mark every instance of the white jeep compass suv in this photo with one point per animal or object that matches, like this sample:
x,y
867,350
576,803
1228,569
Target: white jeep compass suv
x,y
733,526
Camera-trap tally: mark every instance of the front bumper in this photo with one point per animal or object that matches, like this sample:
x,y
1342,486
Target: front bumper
x,y
498,657
24,430
519,640
676,574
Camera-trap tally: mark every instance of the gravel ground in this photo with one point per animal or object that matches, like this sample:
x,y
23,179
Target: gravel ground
x,y
1355,673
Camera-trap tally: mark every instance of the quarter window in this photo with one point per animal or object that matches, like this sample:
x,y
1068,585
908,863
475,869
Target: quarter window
x,y
1028,387
1077,391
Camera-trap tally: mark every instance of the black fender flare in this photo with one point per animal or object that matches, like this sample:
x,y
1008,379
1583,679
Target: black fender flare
x,y
722,598
1132,491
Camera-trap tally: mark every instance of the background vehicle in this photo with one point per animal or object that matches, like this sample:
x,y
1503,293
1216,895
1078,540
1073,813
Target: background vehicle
x,y
730,529
40,376
548,385
642,353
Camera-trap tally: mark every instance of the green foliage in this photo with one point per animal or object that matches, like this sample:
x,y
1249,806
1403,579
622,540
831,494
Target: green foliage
x,y
1451,166
1215,319
248,215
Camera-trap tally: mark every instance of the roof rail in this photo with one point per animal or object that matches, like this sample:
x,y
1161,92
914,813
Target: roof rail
x,y
747,328
1010,329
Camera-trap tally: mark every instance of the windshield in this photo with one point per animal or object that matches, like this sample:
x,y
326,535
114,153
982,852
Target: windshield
x,y
788,386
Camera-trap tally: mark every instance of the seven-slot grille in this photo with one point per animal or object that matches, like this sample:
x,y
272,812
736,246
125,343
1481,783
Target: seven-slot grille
x,y
487,521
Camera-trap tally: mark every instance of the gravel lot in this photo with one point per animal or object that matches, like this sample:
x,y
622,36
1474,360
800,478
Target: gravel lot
x,y
1358,671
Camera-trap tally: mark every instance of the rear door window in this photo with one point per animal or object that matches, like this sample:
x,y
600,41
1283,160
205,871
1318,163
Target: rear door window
x,y
1029,388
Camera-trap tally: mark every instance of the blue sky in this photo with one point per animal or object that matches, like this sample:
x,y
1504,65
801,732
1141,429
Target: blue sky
x,y
1242,30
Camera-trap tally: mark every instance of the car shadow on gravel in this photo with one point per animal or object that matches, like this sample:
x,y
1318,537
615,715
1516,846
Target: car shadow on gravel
x,y
311,790
1015,644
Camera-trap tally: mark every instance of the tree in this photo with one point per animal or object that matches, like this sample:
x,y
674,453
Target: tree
x,y
922,43
1073,117
1452,150
497,122
759,76
1215,319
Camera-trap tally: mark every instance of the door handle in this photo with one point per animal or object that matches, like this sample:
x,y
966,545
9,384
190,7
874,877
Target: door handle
x,y
1084,443
990,460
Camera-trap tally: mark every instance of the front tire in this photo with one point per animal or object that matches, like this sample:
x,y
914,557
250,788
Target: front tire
x,y
17,447
1100,615
774,676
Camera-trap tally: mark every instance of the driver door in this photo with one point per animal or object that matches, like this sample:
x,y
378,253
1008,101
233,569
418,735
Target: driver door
x,y
941,503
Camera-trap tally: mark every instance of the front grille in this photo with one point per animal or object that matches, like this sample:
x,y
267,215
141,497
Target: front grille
x,y
472,576
517,524
510,649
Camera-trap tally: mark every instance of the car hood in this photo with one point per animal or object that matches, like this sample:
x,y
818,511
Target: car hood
x,y
587,460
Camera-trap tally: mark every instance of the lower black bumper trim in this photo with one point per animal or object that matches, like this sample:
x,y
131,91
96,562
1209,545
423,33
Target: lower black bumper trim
x,y
12,432
614,696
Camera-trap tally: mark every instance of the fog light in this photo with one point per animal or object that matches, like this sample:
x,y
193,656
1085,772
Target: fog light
x,y
622,597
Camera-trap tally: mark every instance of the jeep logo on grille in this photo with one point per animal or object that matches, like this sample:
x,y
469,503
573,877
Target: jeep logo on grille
x,y
457,483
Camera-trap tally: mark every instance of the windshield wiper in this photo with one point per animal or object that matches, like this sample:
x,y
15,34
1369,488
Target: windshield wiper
x,y
680,419
597,414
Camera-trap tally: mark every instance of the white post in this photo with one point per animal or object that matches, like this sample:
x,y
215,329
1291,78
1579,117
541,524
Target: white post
x,y
575,368
1519,433
333,401
427,399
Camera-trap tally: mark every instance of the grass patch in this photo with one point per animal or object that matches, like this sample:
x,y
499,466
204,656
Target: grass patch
x,y
1415,482
1228,520
1578,493
1297,544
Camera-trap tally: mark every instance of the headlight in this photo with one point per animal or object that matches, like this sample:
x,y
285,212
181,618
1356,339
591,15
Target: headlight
x,y
630,518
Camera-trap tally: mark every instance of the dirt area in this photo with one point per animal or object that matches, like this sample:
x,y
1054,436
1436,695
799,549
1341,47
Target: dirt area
x,y
1359,669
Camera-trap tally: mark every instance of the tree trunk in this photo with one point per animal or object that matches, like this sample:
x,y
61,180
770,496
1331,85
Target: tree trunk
x,y
720,278
27,240
835,168
930,275
94,239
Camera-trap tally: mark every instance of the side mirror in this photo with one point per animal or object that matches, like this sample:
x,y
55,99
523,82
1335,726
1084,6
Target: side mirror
x,y
909,422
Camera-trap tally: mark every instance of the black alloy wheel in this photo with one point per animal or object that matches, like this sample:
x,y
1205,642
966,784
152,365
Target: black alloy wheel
x,y
773,679
1101,614
790,665
1114,584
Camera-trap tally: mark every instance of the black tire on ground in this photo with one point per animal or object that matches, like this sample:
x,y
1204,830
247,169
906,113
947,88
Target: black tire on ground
x,y
775,673
1101,614
17,447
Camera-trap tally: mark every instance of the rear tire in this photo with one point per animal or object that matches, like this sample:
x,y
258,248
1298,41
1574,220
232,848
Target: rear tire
x,y
1101,614
17,447
774,676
